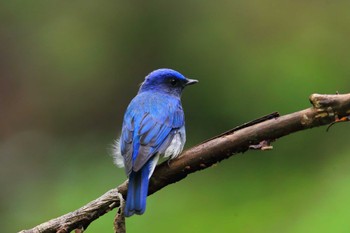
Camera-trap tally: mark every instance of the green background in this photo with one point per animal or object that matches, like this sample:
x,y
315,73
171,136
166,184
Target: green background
x,y
68,70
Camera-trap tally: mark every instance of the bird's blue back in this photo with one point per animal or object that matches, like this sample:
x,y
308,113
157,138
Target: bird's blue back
x,y
149,125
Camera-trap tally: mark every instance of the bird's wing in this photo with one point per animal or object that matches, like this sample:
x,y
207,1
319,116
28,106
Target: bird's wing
x,y
149,125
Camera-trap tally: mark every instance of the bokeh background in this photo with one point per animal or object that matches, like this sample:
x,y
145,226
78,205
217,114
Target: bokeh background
x,y
68,70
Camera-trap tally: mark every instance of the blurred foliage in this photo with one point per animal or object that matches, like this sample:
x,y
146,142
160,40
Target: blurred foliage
x,y
68,69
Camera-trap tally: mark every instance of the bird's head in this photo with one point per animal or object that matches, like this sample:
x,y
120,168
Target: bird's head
x,y
166,81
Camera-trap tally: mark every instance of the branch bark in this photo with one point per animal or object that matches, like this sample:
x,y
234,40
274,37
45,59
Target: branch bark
x,y
325,110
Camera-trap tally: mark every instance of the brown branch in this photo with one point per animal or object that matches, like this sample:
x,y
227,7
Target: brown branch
x,y
326,108
81,218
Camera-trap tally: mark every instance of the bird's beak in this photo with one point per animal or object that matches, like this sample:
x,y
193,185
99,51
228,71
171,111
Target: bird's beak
x,y
191,81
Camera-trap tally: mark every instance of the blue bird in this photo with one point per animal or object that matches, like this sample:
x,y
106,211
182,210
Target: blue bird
x,y
153,125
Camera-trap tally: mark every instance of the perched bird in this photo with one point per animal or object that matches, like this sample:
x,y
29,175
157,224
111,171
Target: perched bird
x,y
153,125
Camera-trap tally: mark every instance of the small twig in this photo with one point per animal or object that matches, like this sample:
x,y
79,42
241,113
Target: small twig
x,y
119,220
245,125
337,120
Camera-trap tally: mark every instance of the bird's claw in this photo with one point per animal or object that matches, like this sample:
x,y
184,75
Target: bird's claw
x,y
168,162
263,145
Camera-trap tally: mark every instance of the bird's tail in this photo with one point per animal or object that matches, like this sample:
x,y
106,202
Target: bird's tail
x,y
137,191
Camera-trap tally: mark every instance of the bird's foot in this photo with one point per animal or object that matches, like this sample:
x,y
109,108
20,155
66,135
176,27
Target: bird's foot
x,y
263,145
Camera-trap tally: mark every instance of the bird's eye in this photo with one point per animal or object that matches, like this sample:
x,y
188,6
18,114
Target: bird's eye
x,y
173,82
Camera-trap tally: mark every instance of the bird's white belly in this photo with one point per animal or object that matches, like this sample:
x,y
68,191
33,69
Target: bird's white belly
x,y
175,147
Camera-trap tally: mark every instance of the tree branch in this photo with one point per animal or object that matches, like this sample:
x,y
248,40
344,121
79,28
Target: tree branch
x,y
325,110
